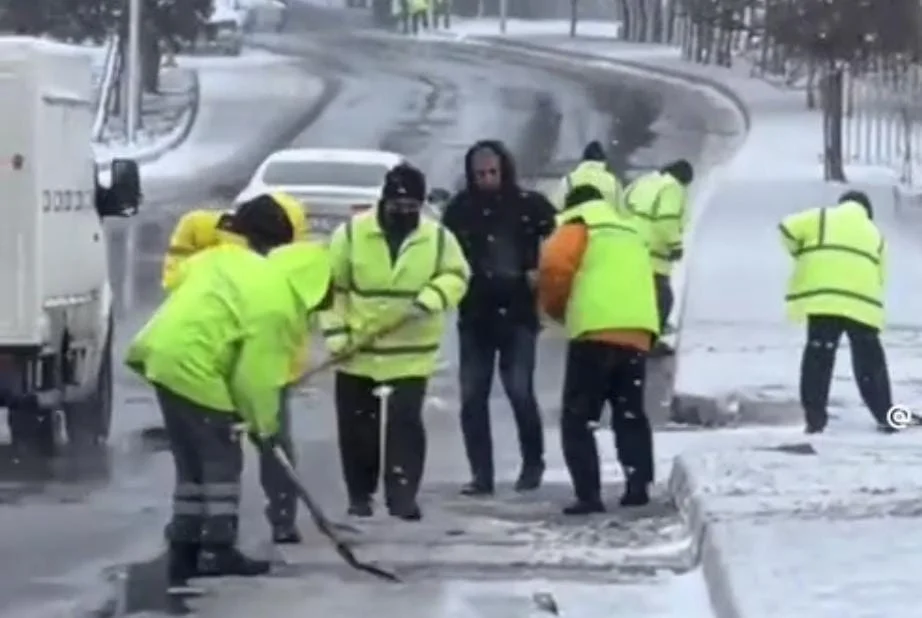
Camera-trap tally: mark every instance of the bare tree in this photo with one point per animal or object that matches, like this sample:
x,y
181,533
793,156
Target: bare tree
x,y
839,36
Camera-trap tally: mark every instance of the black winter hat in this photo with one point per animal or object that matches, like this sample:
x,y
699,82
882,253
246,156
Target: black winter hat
x,y
594,151
861,198
405,181
263,223
681,170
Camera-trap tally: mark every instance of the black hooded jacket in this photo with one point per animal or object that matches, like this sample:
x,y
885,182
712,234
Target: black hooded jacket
x,y
500,233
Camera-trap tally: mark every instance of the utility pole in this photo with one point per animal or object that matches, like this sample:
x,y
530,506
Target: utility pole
x,y
133,71
503,9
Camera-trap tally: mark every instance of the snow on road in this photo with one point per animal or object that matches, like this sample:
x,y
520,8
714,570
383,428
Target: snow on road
x,y
665,596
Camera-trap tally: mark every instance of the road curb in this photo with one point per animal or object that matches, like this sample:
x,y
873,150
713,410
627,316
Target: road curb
x,y
707,547
175,137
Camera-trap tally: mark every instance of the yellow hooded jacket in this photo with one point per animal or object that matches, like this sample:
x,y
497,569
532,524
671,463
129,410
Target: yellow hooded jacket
x,y
198,230
201,229
224,338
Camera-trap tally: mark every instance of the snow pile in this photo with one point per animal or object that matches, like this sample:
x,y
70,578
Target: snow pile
x,y
845,505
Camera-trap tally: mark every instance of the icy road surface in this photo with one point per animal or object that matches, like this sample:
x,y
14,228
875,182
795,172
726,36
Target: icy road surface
x,y
65,525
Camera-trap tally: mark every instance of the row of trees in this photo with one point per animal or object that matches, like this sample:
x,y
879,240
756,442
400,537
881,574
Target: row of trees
x,y
172,23
823,41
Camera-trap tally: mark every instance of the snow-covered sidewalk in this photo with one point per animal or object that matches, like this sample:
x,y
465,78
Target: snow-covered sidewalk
x,y
828,529
166,119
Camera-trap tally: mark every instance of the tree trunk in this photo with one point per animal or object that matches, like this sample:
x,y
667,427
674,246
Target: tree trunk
x,y
574,12
627,20
642,21
150,61
833,167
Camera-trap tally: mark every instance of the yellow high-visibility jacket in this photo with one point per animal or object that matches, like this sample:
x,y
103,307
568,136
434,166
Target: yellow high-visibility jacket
x,y
839,264
225,337
659,201
372,291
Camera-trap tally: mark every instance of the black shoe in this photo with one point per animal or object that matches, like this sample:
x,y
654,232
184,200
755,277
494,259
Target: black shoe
x,y
635,494
182,565
477,489
360,508
286,534
227,560
410,513
886,428
584,507
811,429
530,477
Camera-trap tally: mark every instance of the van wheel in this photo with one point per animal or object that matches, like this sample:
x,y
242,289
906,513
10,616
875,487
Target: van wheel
x,y
88,422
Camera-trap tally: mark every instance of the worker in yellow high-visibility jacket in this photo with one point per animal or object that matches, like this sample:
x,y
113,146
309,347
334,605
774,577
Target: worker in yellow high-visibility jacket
x,y
837,287
202,229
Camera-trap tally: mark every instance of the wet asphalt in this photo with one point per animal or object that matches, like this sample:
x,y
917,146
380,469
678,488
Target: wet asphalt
x,y
64,526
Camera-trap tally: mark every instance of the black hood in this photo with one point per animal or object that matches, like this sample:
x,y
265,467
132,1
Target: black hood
x,y
507,165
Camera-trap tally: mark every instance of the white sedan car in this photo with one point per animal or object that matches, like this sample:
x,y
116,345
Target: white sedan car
x,y
332,183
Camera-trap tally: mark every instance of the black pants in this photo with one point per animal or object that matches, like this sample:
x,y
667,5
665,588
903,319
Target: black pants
x,y
419,20
208,458
515,347
597,373
358,416
869,366
664,299
281,499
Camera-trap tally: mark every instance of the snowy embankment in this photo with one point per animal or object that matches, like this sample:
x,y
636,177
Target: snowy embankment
x,y
784,526
233,118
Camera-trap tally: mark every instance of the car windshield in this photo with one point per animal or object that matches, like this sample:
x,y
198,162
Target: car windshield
x,y
338,174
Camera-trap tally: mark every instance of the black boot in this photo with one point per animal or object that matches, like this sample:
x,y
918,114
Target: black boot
x,y
286,534
182,565
636,493
227,560
410,512
584,507
477,488
530,477
360,507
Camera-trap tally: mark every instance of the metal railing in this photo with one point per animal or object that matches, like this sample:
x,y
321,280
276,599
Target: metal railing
x,y
107,86
882,123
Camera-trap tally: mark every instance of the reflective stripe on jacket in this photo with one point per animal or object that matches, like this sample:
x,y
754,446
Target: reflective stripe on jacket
x,y
659,201
613,288
839,264
372,292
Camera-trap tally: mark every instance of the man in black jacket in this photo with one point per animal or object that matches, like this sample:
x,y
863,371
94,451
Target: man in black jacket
x,y
500,228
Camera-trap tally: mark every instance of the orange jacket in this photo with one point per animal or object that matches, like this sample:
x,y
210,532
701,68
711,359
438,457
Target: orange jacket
x,y
561,257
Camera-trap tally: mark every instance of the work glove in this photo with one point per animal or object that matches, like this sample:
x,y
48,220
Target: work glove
x,y
676,254
264,443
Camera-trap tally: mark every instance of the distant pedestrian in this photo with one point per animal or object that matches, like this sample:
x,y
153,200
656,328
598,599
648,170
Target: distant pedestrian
x,y
500,227
593,170
838,287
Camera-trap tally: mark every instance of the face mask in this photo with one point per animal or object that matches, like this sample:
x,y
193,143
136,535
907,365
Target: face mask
x,y
402,221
